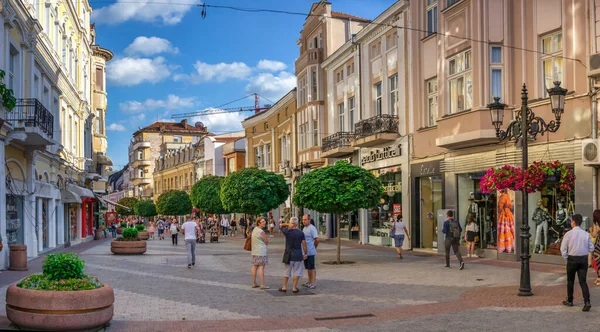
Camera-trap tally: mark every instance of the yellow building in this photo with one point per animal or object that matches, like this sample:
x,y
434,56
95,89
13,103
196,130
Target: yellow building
x,y
152,142
46,55
175,170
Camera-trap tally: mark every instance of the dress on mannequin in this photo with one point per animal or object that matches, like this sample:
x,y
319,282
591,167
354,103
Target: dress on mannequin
x,y
506,224
542,218
560,222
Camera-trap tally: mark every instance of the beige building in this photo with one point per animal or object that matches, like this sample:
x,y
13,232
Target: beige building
x,y
149,144
175,170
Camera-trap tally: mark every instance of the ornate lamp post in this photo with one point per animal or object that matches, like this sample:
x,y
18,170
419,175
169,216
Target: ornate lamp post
x,y
300,170
527,126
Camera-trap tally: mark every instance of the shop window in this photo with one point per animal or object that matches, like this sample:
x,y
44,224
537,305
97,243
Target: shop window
x,y
460,83
14,220
390,207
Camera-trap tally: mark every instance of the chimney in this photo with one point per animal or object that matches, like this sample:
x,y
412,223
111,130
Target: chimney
x,y
184,123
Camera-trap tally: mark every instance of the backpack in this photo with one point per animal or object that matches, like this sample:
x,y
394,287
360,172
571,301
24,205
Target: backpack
x,y
454,229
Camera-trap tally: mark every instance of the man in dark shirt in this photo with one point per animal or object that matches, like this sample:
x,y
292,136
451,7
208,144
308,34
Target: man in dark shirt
x,y
295,244
452,229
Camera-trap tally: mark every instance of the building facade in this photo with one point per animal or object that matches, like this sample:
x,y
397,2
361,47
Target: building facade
x,y
47,139
175,170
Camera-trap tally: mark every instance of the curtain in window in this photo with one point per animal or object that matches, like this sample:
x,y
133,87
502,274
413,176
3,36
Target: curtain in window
x,y
496,55
496,83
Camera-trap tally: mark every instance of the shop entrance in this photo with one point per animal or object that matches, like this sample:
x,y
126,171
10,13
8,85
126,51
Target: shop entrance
x,y
481,207
429,193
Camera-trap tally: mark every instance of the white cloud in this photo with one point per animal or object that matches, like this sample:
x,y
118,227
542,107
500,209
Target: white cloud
x,y
271,86
150,46
271,65
168,12
115,127
219,72
132,71
221,123
171,103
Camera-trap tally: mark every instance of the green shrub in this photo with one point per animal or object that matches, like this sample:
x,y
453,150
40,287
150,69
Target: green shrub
x,y
41,282
130,233
63,266
140,227
123,224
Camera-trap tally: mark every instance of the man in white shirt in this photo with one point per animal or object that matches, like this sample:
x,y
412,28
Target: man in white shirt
x,y
190,229
311,236
224,226
575,247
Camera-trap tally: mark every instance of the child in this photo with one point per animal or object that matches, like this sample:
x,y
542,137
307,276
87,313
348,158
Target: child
x,y
152,230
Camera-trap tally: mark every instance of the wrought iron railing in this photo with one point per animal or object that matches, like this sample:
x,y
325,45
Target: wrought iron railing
x,y
378,124
30,112
338,140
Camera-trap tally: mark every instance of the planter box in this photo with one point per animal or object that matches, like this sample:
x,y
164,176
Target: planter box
x,y
128,247
143,235
119,230
59,310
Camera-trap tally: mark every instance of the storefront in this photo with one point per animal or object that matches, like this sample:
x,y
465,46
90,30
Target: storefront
x,y
15,228
387,163
427,191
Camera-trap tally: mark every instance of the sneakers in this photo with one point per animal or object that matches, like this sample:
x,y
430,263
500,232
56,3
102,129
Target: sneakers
x,y
568,303
587,307
305,284
189,266
313,287
462,265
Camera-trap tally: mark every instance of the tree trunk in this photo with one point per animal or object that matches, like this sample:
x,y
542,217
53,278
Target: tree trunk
x,y
339,240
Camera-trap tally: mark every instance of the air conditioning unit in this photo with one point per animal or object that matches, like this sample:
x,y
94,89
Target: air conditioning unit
x,y
590,152
594,65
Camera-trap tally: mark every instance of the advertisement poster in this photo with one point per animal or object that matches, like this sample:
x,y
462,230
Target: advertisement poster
x,y
111,218
397,210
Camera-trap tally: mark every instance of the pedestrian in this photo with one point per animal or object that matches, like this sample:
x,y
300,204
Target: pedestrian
x,y
225,226
400,232
168,226
174,233
190,230
152,230
452,229
233,227
575,247
471,232
311,236
113,230
243,224
295,253
161,229
596,254
260,258
271,227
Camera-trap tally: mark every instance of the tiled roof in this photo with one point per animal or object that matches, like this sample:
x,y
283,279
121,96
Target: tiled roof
x,y
172,126
226,139
348,16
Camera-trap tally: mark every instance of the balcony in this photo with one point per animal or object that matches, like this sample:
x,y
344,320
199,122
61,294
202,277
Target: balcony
x,y
141,163
467,129
337,145
141,145
171,146
99,99
30,116
140,181
285,169
376,130
312,56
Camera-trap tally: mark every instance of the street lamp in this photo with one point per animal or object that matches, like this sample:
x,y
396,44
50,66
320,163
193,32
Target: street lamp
x,y
527,126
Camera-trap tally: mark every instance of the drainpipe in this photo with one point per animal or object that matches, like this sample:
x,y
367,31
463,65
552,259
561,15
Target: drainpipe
x,y
594,136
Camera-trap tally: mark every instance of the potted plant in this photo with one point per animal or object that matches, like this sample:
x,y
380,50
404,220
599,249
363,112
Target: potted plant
x,y
62,298
505,177
120,229
554,174
142,233
129,244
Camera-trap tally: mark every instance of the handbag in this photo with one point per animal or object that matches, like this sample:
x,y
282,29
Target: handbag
x,y
287,256
248,244
393,232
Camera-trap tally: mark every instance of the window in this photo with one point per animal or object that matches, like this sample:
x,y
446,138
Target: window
x,y
552,60
254,130
261,161
177,138
47,19
432,102
55,39
432,17
12,69
268,155
315,133
300,137
339,76
460,82
375,49
351,114
314,85
74,137
320,39
98,131
256,157
451,2
496,72
377,93
341,117
64,53
266,125
393,95
140,155
391,40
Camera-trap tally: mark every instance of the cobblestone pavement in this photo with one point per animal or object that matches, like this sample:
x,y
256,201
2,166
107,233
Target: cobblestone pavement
x,y
157,292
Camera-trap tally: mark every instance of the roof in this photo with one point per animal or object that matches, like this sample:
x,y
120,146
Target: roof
x,y
348,16
172,126
226,139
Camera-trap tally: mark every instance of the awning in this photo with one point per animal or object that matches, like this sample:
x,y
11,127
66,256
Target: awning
x,y
68,197
105,201
95,177
80,191
104,160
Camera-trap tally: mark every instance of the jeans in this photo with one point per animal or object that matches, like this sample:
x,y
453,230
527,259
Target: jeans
x,y
577,265
191,251
114,232
224,230
174,238
454,243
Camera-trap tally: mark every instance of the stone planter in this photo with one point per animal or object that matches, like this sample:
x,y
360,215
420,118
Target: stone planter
x,y
128,247
143,235
18,257
59,310
120,230
98,234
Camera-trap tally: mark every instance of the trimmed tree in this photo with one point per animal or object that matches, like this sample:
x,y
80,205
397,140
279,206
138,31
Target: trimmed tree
x,y
206,194
145,208
338,189
253,191
174,203
130,203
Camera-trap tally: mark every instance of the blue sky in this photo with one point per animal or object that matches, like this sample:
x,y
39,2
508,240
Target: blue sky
x,y
170,60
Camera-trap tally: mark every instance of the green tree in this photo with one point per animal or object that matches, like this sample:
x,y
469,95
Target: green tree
x,y
205,194
7,97
174,203
338,189
145,208
130,203
253,191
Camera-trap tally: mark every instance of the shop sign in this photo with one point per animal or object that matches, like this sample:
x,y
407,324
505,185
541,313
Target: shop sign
x,y
391,151
431,168
393,188
396,210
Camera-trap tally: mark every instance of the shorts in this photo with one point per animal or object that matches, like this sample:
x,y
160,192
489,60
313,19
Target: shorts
x,y
309,263
471,236
160,231
295,268
399,240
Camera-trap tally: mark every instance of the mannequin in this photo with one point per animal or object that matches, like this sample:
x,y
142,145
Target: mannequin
x,y
506,223
541,218
560,222
473,210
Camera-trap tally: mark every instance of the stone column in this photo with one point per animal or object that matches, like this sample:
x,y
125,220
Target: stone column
x,y
364,226
4,252
29,206
40,230
52,223
60,223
